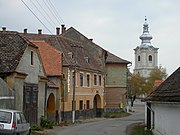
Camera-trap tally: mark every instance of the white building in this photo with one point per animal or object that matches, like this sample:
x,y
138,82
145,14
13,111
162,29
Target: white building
x,y
163,107
146,56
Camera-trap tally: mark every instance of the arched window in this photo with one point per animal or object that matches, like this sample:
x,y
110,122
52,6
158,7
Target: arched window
x,y
150,58
139,58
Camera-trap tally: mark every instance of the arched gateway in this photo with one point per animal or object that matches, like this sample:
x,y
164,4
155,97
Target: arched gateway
x,y
51,107
97,106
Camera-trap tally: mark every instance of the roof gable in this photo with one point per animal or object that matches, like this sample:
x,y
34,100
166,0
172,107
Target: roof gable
x,y
51,58
67,45
168,91
113,59
12,47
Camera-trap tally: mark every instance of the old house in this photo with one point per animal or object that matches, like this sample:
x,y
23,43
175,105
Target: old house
x,y
89,76
52,63
112,67
22,70
116,83
163,107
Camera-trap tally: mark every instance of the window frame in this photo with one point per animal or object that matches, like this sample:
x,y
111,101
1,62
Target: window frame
x,y
88,80
95,79
100,80
80,104
32,58
81,79
150,58
139,58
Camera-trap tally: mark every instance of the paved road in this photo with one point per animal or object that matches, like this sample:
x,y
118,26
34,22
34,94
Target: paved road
x,y
102,126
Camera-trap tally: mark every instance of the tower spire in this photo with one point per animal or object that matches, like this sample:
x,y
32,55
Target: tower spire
x,y
145,37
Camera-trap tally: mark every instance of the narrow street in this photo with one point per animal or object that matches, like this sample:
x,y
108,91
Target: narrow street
x,y
115,126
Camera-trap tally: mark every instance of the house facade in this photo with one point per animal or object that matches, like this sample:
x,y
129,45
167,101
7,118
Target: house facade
x,y
116,83
163,107
22,70
89,76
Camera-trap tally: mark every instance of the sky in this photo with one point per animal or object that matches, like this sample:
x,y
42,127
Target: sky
x,y
115,25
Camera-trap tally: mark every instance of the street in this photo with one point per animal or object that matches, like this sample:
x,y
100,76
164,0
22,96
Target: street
x,y
102,126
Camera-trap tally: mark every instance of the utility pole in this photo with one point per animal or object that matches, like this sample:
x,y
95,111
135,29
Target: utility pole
x,y
74,86
73,100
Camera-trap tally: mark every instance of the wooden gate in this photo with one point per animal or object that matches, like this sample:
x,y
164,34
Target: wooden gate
x,y
30,102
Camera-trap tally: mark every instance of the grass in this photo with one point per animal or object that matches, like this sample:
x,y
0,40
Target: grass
x,y
140,130
116,114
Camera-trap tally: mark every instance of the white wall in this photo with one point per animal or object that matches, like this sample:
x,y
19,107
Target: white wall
x,y
167,119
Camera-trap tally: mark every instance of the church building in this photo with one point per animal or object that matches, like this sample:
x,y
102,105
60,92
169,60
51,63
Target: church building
x,y
146,56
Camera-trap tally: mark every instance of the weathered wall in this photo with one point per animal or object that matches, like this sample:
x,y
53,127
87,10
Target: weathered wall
x,y
166,119
116,84
7,96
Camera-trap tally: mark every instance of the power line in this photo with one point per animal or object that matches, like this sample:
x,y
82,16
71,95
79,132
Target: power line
x,y
51,12
35,15
41,13
55,11
46,12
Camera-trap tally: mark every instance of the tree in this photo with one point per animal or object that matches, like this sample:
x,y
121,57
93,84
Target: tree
x,y
156,74
138,85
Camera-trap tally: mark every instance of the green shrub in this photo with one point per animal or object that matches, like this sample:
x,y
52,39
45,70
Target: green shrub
x,y
36,128
45,123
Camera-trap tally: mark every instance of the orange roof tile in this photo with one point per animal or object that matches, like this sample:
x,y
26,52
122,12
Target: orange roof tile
x,y
51,57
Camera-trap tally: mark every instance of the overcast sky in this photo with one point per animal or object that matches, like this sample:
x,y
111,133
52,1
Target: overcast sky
x,y
115,25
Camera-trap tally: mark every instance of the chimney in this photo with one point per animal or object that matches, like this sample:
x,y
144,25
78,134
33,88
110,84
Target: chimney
x,y
63,28
4,28
57,31
91,39
25,31
39,31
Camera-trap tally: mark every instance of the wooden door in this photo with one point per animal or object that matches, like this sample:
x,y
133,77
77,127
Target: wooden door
x,y
31,102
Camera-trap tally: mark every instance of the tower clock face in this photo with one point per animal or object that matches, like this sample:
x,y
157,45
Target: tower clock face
x,y
150,49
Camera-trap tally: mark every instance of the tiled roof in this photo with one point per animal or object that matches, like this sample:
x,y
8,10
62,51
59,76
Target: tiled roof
x,y
51,57
12,47
67,45
115,59
168,91
93,48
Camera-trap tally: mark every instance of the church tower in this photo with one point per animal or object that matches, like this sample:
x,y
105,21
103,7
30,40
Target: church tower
x,y
146,56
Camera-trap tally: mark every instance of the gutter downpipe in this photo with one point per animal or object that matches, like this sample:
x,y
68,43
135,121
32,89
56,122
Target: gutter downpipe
x,y
152,116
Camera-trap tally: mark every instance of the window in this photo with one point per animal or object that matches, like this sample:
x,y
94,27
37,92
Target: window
x,y
87,104
150,58
23,118
70,55
99,80
139,58
95,79
18,118
88,80
32,59
81,79
80,105
5,117
73,78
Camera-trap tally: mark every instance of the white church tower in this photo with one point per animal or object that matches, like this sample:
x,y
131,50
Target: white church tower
x,y
146,56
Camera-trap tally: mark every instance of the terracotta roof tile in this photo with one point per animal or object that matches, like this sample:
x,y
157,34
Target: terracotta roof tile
x,y
51,57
